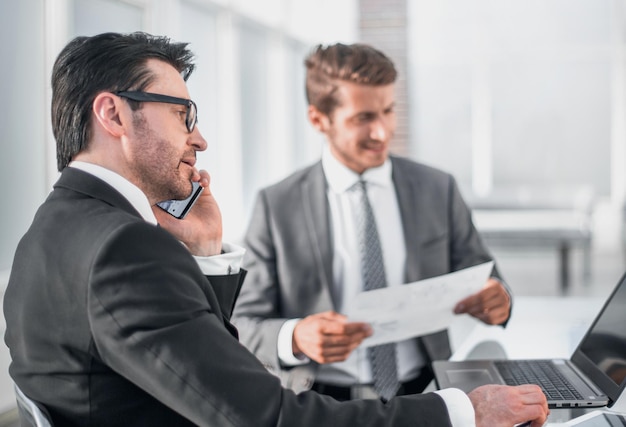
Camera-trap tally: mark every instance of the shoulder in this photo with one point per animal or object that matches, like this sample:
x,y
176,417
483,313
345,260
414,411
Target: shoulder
x,y
100,227
141,239
297,179
405,168
295,185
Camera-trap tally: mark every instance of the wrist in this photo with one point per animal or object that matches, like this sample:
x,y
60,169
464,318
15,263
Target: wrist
x,y
285,342
295,350
205,249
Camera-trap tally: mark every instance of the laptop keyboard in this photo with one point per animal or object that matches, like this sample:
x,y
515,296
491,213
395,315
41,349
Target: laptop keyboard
x,y
541,372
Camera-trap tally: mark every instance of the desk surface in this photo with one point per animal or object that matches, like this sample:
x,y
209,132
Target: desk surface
x,y
540,327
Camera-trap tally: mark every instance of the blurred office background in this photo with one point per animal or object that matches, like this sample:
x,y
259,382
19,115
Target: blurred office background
x,y
524,101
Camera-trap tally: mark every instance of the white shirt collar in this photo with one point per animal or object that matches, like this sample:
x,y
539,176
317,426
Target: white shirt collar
x,y
130,191
340,178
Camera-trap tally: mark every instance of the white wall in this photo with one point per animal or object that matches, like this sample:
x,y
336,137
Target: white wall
x,y
524,100
23,167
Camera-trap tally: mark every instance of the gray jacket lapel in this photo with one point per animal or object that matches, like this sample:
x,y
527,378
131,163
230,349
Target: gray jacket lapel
x,y
407,193
317,221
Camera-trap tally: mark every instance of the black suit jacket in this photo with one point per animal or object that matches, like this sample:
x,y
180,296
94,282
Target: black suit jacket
x,y
110,322
290,255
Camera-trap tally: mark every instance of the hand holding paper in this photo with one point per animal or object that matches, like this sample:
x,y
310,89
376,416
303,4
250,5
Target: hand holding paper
x,y
327,337
492,304
397,313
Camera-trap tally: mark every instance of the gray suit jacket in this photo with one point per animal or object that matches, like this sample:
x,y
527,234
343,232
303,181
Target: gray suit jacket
x,y
289,258
110,322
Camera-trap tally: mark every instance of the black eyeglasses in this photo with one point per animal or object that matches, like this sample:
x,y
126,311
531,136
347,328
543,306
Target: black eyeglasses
x,y
192,111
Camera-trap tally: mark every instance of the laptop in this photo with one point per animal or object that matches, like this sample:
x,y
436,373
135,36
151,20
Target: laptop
x,y
594,376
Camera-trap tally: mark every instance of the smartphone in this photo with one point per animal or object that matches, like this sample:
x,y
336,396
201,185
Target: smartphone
x,y
179,208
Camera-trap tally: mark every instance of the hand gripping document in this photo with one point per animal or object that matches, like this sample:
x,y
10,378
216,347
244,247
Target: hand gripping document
x,y
398,313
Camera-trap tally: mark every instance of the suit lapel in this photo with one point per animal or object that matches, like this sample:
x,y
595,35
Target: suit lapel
x,y
408,195
316,214
412,199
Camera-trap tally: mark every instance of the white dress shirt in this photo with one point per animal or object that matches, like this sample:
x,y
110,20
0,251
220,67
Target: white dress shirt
x,y
347,271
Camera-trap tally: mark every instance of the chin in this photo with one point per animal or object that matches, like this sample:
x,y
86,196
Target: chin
x,y
180,190
187,189
377,160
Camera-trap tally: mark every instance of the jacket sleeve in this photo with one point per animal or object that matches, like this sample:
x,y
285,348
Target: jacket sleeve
x,y
257,312
154,320
467,247
227,290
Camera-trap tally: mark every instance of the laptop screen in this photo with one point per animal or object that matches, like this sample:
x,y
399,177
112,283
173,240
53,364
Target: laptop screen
x,y
601,354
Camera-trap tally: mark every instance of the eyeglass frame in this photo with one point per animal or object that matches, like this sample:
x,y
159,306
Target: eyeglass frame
x,y
140,96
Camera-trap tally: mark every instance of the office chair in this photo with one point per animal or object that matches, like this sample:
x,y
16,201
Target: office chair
x,y
31,415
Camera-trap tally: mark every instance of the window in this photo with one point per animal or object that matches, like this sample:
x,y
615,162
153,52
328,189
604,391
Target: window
x,y
23,165
254,102
518,97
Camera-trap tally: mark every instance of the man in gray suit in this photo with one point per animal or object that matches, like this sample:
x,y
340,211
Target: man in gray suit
x,y
303,261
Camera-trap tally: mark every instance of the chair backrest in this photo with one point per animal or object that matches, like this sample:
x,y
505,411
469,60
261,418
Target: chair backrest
x,y
30,414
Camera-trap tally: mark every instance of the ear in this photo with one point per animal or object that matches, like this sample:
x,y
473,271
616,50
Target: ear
x,y
319,120
108,111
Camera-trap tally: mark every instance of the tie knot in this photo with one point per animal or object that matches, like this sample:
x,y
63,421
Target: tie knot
x,y
359,187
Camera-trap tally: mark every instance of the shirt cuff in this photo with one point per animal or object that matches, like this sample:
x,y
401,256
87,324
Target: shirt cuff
x,y
459,406
228,262
285,345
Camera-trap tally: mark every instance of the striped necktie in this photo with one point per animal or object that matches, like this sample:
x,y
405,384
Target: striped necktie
x,y
382,357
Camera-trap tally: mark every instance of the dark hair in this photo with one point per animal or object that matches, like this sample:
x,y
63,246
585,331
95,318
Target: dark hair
x,y
110,62
356,63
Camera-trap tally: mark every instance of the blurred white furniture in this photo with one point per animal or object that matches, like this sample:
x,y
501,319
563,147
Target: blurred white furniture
x,y
527,222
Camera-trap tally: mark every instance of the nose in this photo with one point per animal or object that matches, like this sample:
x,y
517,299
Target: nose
x,y
380,130
196,140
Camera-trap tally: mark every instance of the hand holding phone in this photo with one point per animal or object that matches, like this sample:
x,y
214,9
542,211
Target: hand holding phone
x,y
201,229
179,208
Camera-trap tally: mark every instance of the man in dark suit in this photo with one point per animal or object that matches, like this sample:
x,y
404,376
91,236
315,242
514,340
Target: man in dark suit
x,y
303,259
117,313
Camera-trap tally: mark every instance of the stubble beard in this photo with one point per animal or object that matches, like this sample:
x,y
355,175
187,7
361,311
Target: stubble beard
x,y
153,166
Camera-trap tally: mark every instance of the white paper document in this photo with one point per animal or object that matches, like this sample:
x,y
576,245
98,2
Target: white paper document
x,y
398,313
